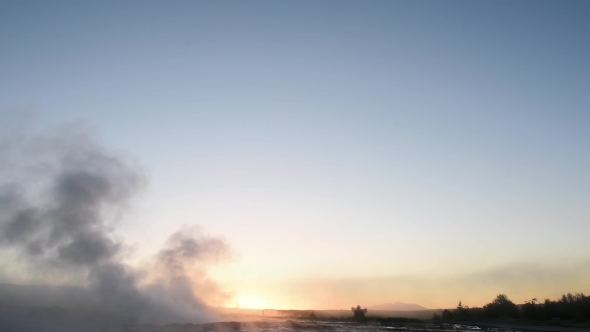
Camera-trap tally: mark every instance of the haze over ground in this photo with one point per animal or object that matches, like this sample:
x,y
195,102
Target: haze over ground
x,y
348,152
399,306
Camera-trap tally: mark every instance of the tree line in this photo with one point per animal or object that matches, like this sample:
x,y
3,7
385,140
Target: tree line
x,y
568,307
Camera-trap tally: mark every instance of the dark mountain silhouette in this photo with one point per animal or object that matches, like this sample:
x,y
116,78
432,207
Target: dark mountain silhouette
x,y
398,306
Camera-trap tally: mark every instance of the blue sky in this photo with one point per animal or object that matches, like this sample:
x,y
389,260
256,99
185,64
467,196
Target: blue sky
x,y
439,137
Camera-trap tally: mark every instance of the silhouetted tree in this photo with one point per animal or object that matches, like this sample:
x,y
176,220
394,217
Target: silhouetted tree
x,y
501,306
462,311
312,316
446,315
532,310
567,307
358,312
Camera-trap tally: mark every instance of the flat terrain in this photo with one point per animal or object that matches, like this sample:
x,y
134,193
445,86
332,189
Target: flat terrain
x,y
55,319
349,326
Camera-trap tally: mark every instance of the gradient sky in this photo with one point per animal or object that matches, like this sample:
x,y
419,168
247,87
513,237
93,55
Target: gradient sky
x,y
351,152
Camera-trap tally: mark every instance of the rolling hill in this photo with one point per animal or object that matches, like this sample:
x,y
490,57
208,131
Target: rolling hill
x,y
398,306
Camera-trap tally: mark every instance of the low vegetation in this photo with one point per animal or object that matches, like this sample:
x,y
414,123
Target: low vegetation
x,y
358,312
571,307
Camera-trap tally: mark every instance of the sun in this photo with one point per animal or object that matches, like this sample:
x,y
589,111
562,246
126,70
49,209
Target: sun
x,y
251,302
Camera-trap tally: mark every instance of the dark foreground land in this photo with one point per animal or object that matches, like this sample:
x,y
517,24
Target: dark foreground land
x,y
352,326
54,322
54,319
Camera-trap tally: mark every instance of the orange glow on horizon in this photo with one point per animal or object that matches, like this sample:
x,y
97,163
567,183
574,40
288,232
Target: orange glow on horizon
x,y
251,302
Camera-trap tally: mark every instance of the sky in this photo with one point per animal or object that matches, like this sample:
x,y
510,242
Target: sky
x,y
349,152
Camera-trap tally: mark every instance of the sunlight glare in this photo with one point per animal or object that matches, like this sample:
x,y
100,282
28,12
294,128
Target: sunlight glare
x,y
251,302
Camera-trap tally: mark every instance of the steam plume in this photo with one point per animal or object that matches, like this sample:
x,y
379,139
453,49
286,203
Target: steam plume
x,y
61,198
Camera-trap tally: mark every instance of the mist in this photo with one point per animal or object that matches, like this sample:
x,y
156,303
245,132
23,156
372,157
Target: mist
x,y
62,197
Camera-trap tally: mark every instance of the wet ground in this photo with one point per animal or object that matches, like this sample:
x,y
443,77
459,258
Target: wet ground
x,y
360,327
350,326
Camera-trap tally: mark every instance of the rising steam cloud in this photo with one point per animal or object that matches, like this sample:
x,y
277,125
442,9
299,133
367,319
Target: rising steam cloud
x,y
61,198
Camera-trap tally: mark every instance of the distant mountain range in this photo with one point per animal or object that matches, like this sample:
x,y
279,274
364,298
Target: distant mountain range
x,y
397,306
